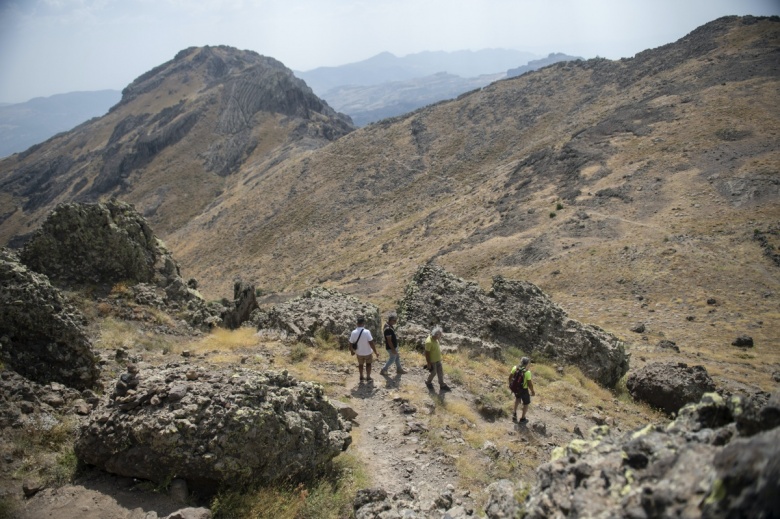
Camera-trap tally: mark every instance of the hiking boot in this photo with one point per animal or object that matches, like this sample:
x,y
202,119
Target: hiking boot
x,y
514,418
523,420
445,387
402,371
383,372
429,384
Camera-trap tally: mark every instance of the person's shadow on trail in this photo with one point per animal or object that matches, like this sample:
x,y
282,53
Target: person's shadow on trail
x,y
437,394
393,382
365,389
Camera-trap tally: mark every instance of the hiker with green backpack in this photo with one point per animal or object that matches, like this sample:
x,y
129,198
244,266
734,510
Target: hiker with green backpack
x,y
520,384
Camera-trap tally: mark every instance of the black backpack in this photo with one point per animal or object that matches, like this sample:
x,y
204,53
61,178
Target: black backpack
x,y
516,384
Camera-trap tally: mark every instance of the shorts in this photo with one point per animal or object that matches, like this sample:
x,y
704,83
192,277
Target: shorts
x,y
524,395
364,359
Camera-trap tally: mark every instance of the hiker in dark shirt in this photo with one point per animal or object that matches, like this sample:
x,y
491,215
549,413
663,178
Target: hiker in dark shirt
x,y
391,345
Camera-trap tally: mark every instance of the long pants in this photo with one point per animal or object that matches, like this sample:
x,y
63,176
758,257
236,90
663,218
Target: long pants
x,y
393,358
437,370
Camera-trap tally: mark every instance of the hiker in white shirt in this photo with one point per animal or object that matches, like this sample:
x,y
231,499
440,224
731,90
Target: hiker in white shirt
x,y
361,342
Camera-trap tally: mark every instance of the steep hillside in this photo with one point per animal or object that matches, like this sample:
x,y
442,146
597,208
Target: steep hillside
x,y
178,133
632,191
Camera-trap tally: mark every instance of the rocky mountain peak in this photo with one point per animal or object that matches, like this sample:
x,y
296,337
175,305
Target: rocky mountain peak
x,y
252,81
181,127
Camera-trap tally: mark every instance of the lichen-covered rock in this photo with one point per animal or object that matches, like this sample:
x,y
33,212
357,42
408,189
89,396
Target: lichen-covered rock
x,y
320,310
669,386
109,243
98,243
512,313
209,427
42,335
25,403
699,465
501,503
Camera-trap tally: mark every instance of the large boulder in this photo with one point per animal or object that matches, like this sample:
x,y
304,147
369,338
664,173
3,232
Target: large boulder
x,y
320,310
42,335
669,386
699,465
512,313
212,427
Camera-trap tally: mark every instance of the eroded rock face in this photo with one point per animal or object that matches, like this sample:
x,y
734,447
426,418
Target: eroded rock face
x,y
669,386
42,335
209,426
512,313
699,465
320,309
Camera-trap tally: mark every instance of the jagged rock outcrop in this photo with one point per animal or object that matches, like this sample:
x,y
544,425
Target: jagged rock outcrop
x,y
512,313
320,309
703,464
42,335
669,386
210,426
244,303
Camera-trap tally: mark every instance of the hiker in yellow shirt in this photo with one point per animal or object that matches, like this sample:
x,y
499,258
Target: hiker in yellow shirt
x,y
433,358
525,390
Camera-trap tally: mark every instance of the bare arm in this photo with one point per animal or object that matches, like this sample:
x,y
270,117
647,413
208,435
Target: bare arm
x,y
373,347
531,388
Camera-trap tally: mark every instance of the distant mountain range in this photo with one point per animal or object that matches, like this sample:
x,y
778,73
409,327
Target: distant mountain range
x,y
366,101
387,67
32,122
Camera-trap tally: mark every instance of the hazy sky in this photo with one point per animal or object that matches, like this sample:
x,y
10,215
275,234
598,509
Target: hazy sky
x,y
55,46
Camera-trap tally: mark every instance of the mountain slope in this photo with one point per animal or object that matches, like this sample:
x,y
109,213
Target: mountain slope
x,y
25,124
632,191
169,146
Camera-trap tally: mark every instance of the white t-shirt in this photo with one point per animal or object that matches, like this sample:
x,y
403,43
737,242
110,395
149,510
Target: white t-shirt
x,y
363,346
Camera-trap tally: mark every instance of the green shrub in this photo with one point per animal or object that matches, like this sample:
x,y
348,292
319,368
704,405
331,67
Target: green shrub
x,y
299,352
552,214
